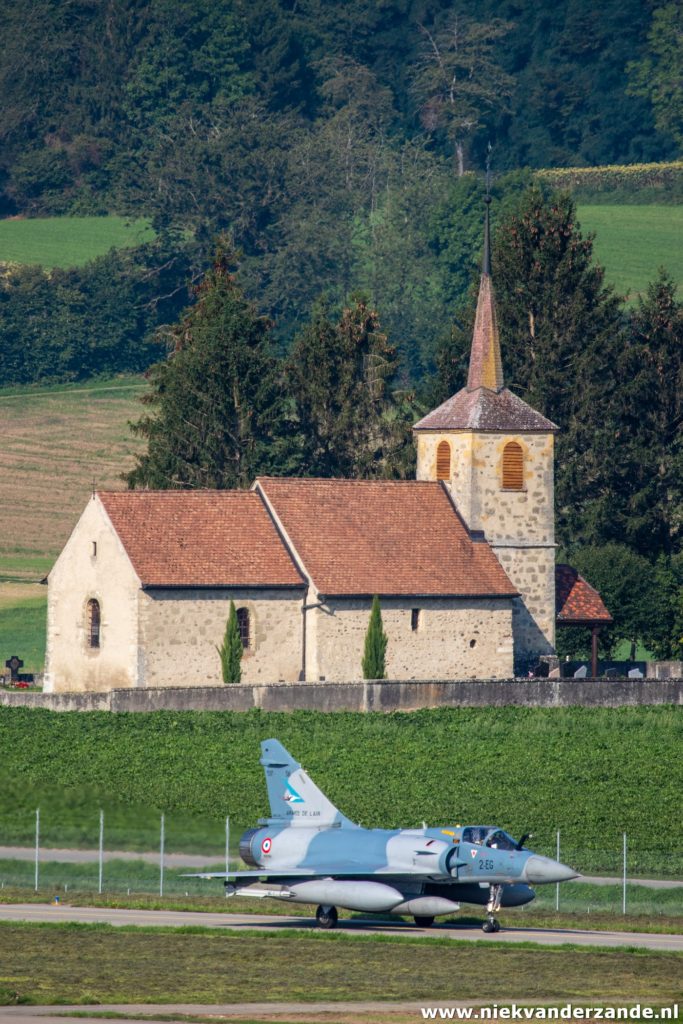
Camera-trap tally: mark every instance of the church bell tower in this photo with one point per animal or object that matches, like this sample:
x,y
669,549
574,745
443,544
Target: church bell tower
x,y
495,454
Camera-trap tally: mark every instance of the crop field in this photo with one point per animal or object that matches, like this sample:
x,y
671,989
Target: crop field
x,y
591,773
57,442
69,241
23,610
632,242
88,964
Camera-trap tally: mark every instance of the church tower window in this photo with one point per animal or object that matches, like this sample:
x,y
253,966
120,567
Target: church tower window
x,y
513,467
443,461
93,619
243,625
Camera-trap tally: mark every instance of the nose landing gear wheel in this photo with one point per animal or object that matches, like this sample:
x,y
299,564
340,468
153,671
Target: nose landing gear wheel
x,y
424,922
326,917
492,925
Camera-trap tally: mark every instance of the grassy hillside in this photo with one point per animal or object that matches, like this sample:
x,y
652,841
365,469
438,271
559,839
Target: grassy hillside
x,y
69,241
23,609
592,773
55,443
632,242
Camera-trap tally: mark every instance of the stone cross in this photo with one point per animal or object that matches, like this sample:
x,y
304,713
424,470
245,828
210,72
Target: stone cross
x,y
14,664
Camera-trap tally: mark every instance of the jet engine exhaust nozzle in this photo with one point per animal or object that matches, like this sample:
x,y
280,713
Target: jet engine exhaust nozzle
x,y
539,870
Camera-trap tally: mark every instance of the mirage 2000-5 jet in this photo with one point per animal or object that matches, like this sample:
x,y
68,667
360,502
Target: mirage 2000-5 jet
x,y
309,852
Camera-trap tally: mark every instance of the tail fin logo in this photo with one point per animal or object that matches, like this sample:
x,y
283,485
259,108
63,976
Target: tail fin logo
x,y
291,795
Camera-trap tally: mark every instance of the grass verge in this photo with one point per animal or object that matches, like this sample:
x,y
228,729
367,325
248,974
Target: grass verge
x,y
53,964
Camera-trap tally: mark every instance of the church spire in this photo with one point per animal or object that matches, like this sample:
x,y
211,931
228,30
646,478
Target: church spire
x,y
486,367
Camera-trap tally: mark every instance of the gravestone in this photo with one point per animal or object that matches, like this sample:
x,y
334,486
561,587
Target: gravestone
x,y
635,673
14,664
612,673
581,673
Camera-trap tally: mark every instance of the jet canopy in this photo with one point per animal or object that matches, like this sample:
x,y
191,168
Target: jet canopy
x,y
487,835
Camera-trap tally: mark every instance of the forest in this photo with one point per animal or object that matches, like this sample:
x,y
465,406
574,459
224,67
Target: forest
x,y
313,172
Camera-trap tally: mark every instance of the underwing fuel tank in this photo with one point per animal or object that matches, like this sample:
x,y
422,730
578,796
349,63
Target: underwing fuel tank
x,y
426,906
370,896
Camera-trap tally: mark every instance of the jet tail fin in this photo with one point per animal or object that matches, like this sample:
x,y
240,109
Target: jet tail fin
x,y
294,797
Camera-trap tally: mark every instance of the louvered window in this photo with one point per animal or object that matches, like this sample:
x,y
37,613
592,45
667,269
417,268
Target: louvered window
x,y
513,467
93,623
443,461
244,627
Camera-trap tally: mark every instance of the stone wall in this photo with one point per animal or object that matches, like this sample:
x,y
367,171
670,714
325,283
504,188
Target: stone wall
x,y
181,629
383,696
462,638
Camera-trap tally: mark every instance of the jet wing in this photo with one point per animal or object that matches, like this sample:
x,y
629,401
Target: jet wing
x,y
341,870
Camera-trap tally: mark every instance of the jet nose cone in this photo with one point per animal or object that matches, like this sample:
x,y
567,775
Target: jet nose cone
x,y
538,870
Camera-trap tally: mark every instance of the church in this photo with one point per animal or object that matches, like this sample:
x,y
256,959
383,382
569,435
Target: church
x,y
462,560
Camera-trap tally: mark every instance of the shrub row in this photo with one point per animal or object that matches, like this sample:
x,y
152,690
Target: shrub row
x,y
611,177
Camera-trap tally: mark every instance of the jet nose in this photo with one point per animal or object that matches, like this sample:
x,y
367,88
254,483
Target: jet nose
x,y
538,870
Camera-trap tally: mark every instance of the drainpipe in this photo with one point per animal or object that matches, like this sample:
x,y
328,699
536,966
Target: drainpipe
x,y
304,608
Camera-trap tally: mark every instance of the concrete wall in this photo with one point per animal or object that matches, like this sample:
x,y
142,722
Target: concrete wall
x,y
457,638
366,696
180,630
81,573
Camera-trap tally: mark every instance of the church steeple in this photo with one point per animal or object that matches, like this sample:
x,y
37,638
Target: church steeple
x,y
486,365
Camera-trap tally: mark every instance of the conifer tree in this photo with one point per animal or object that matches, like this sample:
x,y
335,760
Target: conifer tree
x,y
375,645
218,411
231,649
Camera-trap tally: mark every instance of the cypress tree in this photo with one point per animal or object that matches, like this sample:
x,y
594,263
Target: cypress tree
x,y
375,645
231,649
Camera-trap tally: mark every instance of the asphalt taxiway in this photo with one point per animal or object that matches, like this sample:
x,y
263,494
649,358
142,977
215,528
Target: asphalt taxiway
x,y
263,922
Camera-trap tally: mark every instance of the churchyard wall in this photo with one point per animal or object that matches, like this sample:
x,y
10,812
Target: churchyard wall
x,y
385,696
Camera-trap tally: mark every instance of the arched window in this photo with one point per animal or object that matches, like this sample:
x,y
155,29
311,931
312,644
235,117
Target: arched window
x,y
443,461
513,467
244,627
92,623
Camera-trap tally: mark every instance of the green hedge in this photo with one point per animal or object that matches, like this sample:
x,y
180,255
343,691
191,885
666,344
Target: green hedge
x,y
592,773
615,177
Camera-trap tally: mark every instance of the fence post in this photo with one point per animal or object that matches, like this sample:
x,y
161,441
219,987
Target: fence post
x,y
623,902
227,844
37,846
161,857
101,858
557,885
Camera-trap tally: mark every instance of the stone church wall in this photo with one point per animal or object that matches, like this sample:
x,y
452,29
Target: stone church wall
x,y
180,630
457,638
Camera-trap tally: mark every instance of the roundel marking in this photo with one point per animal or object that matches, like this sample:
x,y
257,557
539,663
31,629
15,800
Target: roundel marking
x,y
266,845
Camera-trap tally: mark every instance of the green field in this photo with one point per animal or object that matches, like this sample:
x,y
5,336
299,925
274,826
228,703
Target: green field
x,y
22,626
57,442
52,964
591,773
69,241
632,242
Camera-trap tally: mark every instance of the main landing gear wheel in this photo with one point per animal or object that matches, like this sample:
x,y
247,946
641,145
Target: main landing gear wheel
x,y
424,922
326,917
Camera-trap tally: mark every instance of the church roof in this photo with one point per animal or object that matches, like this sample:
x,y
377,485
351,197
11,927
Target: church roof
x,y
484,409
576,602
365,537
200,538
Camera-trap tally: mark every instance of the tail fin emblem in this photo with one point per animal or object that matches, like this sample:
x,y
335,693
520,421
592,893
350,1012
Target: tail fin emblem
x,y
291,795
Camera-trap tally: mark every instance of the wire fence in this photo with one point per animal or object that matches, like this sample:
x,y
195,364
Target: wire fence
x,y
154,856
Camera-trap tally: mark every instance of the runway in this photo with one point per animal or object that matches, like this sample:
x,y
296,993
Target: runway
x,y
265,922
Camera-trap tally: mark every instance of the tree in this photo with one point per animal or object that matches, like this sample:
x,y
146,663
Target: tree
x,y
458,79
375,645
218,411
561,331
339,376
658,75
231,649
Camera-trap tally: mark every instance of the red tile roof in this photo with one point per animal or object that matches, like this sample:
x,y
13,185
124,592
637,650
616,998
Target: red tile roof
x,y
200,538
576,602
484,409
383,537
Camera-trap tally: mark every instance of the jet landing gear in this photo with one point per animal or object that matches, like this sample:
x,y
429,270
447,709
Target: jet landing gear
x,y
326,917
423,922
492,907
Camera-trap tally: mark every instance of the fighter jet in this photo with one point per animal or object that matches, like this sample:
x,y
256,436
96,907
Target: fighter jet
x,y
307,851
